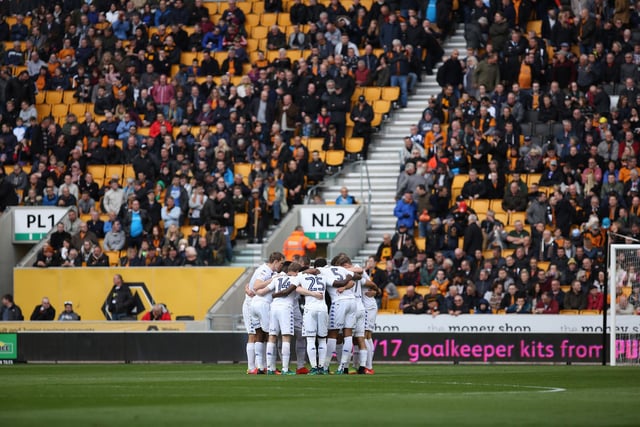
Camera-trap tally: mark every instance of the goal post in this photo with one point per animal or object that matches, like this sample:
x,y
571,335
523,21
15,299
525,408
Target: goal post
x,y
624,274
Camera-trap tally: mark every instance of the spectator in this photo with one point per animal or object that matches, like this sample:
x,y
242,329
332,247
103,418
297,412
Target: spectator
x,y
68,314
121,302
412,302
10,311
298,244
406,211
158,312
43,311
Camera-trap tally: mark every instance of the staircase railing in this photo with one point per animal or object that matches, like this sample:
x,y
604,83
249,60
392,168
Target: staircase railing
x,y
366,192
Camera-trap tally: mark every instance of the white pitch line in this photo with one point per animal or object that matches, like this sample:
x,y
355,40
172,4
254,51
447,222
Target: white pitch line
x,y
538,389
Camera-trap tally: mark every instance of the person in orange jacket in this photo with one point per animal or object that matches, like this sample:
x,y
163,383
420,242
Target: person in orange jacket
x,y
297,244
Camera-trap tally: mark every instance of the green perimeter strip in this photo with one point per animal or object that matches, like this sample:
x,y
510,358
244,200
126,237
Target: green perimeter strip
x,y
26,237
322,235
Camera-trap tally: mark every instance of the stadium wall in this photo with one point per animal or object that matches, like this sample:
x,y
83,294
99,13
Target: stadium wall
x,y
185,291
228,347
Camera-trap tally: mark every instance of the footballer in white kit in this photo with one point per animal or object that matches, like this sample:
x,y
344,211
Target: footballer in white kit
x,y
342,314
255,318
366,291
281,322
315,319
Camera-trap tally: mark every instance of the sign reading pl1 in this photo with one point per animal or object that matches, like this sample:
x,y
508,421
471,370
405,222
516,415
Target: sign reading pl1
x,y
325,222
31,224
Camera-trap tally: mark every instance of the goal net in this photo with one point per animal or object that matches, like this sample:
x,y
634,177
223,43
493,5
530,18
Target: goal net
x,y
624,297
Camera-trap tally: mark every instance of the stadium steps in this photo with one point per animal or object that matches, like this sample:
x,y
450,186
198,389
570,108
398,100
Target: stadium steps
x,y
384,157
383,166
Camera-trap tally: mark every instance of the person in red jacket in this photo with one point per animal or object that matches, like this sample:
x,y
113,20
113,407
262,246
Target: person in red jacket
x,y
546,305
594,298
157,312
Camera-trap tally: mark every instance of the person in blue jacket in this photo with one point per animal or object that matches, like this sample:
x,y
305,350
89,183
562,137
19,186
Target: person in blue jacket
x,y
406,211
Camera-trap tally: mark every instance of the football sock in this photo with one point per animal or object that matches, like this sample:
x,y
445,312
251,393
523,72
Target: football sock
x,y
260,355
312,352
251,356
346,352
369,343
331,348
286,355
322,352
271,356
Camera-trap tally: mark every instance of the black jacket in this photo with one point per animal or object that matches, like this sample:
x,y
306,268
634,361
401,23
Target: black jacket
x,y
121,300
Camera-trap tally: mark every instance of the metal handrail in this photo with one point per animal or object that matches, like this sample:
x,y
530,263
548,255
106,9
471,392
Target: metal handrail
x,y
364,170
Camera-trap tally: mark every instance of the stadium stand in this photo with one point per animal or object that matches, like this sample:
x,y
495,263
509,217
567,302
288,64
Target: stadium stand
x,y
160,104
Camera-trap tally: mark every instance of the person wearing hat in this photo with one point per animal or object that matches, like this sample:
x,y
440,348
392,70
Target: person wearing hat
x,y
552,175
68,314
362,116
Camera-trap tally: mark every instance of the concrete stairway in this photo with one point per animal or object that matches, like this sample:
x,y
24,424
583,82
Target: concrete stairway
x,y
384,158
382,169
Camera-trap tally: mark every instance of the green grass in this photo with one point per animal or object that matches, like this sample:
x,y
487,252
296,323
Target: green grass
x,y
398,395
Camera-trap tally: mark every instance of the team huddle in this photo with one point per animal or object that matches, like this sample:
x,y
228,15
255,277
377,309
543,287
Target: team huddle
x,y
271,310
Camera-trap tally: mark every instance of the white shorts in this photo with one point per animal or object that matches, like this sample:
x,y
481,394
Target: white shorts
x,y
315,323
281,321
358,331
260,315
370,319
246,316
342,314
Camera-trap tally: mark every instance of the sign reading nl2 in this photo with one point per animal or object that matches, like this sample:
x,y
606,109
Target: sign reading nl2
x,y
32,224
325,222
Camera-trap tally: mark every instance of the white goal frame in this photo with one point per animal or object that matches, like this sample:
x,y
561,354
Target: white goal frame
x,y
613,255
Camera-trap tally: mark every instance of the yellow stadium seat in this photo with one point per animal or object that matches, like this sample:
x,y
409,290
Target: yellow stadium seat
x,y
128,172
283,19
502,217
59,110
354,146
113,171
314,144
517,216
480,205
372,93
533,178
268,19
67,97
54,97
535,26
40,97
390,93
252,20
44,110
259,33
78,109
543,265
381,106
97,171
114,258
257,7
334,158
243,169
244,6
188,57
421,243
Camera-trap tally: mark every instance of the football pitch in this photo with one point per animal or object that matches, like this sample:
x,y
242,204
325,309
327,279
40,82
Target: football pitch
x,y
195,395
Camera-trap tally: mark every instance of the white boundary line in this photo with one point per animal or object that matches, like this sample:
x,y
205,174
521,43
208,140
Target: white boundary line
x,y
532,388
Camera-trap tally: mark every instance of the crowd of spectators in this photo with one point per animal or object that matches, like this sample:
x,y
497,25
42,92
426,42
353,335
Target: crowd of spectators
x,y
181,129
524,167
